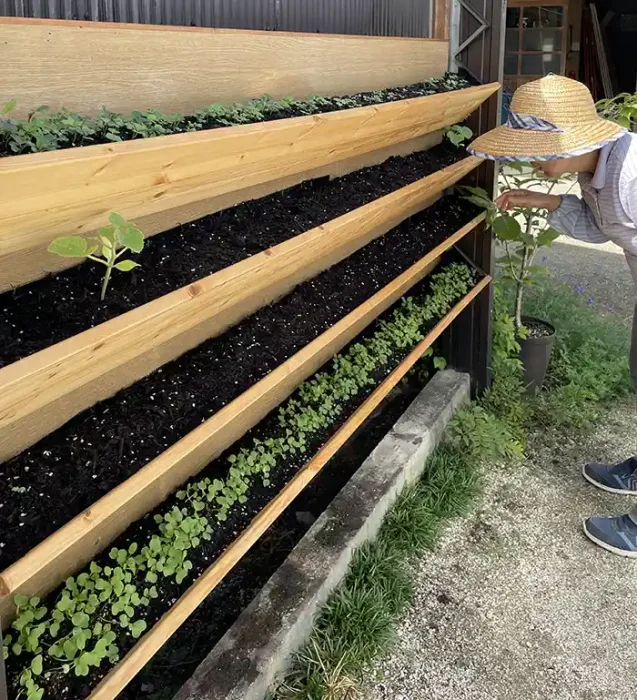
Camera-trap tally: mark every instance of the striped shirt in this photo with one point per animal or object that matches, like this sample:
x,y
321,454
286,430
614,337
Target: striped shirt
x,y
607,210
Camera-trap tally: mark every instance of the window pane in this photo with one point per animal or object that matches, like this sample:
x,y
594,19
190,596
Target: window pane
x,y
513,17
541,64
542,40
512,39
510,63
531,17
552,16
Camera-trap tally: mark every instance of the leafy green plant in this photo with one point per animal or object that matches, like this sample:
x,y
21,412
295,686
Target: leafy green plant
x,y
106,248
523,233
621,109
45,130
458,134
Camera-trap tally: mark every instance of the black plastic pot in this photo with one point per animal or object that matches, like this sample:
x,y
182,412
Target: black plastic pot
x,y
535,353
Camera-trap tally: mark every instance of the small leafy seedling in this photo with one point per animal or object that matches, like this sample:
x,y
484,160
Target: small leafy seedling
x,y
106,248
458,134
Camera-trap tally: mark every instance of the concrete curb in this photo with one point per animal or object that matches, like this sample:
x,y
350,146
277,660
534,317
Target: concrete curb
x,y
258,647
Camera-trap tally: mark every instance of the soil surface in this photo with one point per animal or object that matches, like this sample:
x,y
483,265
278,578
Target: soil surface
x,y
61,686
50,310
538,329
66,472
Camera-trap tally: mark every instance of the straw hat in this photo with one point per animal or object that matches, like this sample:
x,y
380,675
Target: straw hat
x,y
550,118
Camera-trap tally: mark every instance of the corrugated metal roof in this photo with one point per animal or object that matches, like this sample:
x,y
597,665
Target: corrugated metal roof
x,y
375,17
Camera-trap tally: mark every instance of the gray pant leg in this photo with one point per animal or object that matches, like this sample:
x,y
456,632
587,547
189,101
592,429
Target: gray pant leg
x,y
633,351
633,372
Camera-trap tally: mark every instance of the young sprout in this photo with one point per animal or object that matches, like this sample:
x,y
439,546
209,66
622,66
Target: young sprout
x,y
106,248
458,134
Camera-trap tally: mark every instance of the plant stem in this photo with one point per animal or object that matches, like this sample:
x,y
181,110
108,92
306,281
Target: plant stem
x,y
519,290
107,277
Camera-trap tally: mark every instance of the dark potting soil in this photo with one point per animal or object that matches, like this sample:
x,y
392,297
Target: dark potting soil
x,y
178,659
57,307
62,686
67,471
538,329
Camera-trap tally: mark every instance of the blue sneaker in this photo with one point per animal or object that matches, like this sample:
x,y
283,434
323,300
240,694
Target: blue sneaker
x,y
617,535
622,478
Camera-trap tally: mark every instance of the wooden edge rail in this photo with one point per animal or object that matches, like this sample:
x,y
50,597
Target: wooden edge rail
x,y
41,392
152,641
131,67
80,540
44,195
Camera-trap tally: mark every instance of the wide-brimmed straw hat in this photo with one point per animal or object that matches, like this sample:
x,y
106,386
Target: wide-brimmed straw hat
x,y
550,118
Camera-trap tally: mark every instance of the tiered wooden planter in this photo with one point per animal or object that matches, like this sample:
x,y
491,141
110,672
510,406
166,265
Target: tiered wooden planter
x,y
162,181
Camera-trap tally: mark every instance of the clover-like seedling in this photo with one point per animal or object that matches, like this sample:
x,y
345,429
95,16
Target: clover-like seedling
x,y
106,248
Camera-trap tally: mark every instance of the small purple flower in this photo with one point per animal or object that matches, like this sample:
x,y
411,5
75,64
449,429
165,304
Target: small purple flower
x,y
579,290
544,258
591,300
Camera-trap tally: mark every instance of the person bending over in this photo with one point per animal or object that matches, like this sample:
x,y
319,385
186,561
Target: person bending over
x,y
554,126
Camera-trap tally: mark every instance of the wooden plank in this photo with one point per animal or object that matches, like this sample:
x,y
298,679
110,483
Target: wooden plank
x,y
80,540
44,195
38,262
128,67
153,640
442,12
41,392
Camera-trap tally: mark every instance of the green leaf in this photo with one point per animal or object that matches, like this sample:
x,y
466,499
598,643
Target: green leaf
x,y
138,628
81,667
36,665
69,247
80,619
479,202
126,265
118,220
70,649
440,362
8,107
547,237
506,228
20,600
133,239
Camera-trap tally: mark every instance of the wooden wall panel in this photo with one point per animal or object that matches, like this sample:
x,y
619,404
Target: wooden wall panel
x,y
84,66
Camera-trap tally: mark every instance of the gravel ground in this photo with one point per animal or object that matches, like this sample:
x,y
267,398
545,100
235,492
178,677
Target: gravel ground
x,y
598,271
517,604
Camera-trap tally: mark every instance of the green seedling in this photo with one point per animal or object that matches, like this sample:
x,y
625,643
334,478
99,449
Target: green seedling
x,y
458,134
106,248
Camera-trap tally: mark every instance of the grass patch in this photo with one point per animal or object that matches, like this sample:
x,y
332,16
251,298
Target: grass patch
x,y
589,370
357,624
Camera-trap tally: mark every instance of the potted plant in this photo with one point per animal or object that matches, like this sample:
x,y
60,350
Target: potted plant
x,y
521,234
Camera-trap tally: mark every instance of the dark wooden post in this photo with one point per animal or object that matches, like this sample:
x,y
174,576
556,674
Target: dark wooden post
x,y
483,58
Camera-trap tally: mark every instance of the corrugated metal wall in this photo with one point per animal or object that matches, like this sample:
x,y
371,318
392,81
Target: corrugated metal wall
x,y
375,17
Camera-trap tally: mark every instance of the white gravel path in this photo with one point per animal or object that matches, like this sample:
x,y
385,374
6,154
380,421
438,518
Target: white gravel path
x,y
516,604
